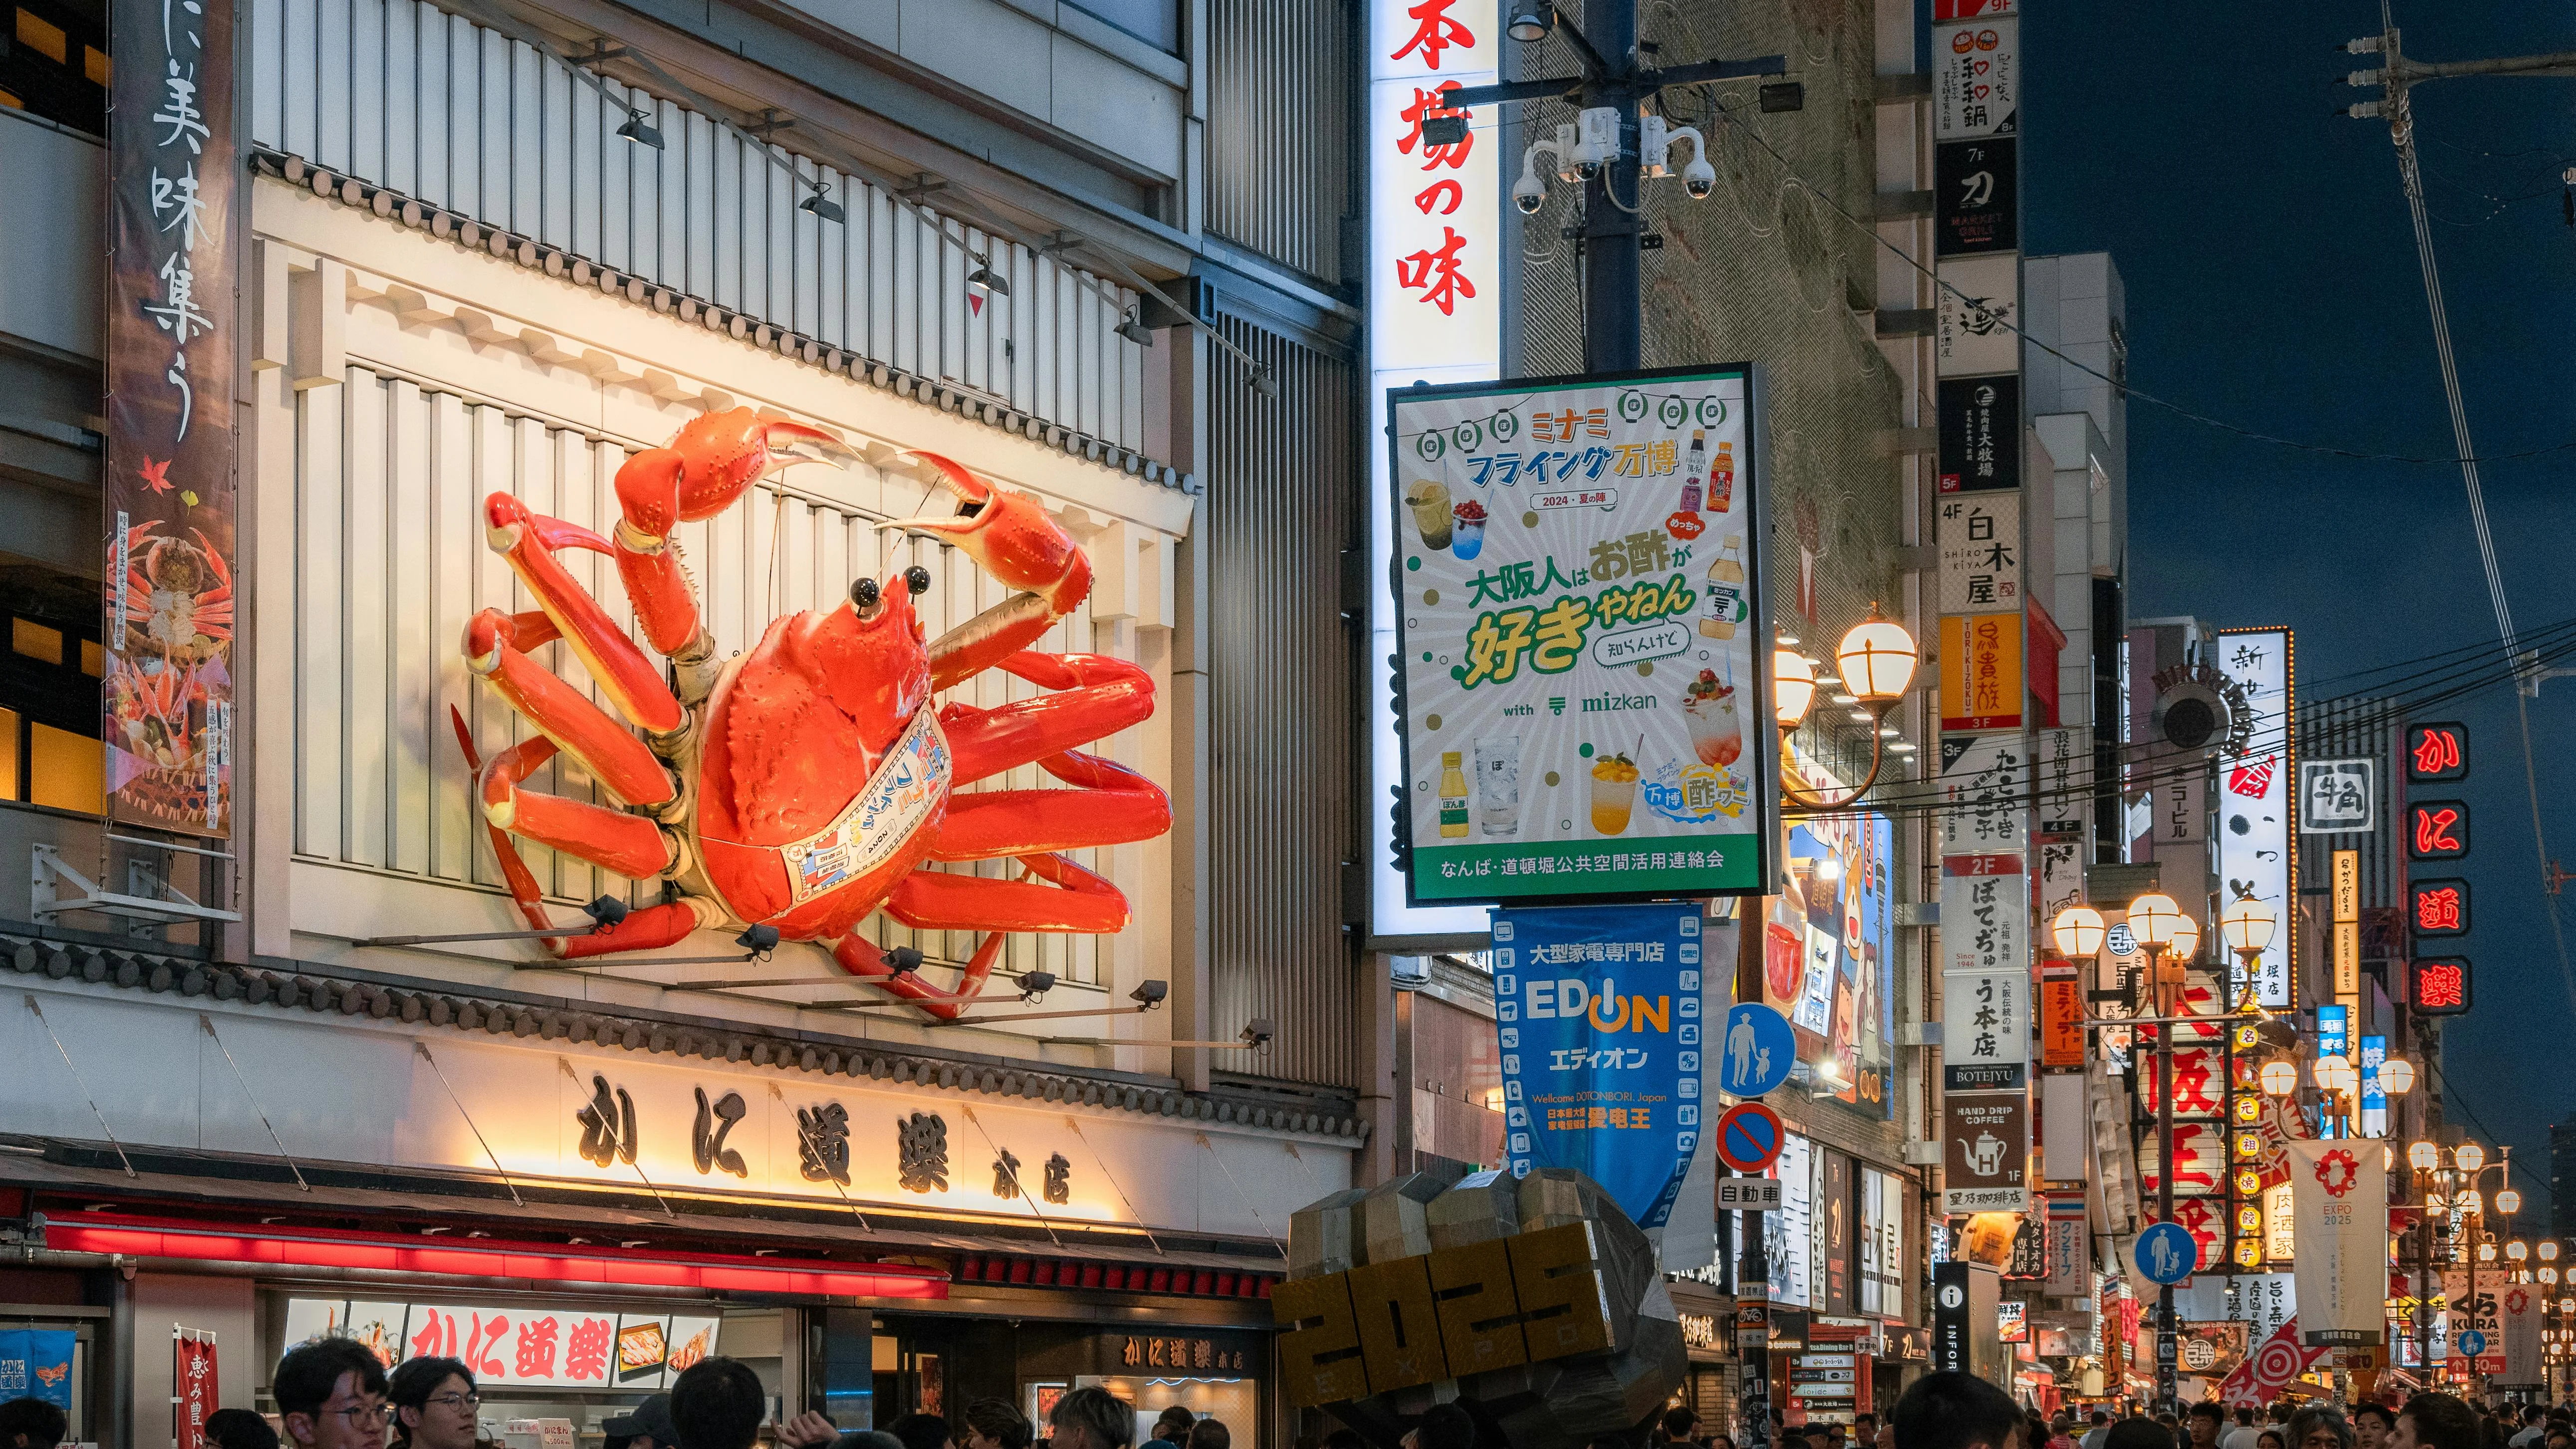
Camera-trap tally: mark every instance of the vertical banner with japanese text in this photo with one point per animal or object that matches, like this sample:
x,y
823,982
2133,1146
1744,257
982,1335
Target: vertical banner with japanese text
x,y
2257,838
1597,1011
1434,292
2340,1188
198,1392
167,693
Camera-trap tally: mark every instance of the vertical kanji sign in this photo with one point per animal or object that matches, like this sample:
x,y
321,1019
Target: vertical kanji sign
x,y
194,1381
167,699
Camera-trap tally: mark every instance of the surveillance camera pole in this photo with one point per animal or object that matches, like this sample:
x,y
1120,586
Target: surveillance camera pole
x,y
1613,229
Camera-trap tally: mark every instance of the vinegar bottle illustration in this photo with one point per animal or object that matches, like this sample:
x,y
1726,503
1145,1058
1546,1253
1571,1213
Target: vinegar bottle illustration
x,y
1695,470
1723,605
1453,796
1721,484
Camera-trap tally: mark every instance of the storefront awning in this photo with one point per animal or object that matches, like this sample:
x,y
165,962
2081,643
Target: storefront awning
x,y
284,1247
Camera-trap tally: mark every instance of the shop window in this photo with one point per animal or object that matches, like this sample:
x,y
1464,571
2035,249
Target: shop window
x,y
49,698
54,62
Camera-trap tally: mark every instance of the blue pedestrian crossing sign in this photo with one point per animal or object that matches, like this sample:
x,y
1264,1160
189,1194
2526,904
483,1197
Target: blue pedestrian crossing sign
x,y
2167,1253
1757,1051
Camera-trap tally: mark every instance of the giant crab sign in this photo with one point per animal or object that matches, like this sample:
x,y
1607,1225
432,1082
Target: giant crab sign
x,y
804,784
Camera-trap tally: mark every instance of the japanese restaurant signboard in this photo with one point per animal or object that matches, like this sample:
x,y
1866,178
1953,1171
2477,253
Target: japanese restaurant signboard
x,y
1434,285
2257,839
167,694
521,1344
1584,687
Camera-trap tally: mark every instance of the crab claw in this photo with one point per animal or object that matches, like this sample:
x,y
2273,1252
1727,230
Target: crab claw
x,y
1009,535
709,465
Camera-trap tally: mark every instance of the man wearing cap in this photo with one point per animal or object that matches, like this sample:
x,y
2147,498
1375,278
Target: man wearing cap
x,y
648,1427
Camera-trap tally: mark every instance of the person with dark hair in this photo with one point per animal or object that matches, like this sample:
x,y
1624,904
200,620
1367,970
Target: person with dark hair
x,y
718,1403
1445,1426
435,1404
32,1424
1679,1425
917,1431
2371,1423
239,1429
1209,1433
1953,1410
1172,1426
2320,1427
2434,1421
2135,1432
994,1424
331,1395
647,1427
2270,1439
2101,1430
1089,1417
2206,1420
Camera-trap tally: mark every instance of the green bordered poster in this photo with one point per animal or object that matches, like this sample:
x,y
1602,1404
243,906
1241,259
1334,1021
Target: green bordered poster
x,y
1583,671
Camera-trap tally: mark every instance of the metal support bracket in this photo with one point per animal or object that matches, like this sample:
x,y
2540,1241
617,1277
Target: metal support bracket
x,y
49,875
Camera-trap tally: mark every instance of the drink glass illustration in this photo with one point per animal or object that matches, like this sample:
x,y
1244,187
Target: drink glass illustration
x,y
1498,784
1715,733
1429,501
1468,529
1614,794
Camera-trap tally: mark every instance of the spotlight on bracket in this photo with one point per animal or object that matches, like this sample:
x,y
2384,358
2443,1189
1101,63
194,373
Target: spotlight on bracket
x,y
904,959
1035,984
607,911
1150,994
759,940
1257,1032
1133,328
640,131
822,204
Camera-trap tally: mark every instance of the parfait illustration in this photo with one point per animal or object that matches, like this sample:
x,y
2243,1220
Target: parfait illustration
x,y
1614,793
1429,501
1715,732
1468,529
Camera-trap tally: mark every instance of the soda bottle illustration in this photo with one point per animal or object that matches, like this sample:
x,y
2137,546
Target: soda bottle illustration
x,y
1695,470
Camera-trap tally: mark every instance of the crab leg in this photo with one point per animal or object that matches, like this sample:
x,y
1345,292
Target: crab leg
x,y
699,476
529,541
862,958
614,757
1079,901
649,929
1100,696
1113,806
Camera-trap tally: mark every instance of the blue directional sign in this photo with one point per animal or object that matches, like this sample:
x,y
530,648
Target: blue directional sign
x,y
2167,1253
1757,1051
2473,1342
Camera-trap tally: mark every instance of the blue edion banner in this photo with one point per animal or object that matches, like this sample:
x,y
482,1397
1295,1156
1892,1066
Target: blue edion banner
x,y
1597,1010
37,1363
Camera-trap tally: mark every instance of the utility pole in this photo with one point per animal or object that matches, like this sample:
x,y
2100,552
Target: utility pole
x,y
1607,94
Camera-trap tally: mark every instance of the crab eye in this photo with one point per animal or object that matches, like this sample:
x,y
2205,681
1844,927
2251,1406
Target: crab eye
x,y
864,595
917,579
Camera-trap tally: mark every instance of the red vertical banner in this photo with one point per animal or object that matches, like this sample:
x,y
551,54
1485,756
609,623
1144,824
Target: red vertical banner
x,y
167,699
196,1397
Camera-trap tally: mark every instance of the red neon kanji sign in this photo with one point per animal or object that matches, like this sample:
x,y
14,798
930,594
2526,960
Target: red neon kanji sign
x,y
2441,907
2437,752
1434,30
2442,985
2437,829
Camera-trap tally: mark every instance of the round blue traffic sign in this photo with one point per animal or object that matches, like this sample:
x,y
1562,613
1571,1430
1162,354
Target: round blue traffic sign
x,y
1757,1051
1748,1137
2472,1342
2167,1253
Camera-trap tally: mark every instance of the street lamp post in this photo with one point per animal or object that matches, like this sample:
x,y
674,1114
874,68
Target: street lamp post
x,y
2160,926
2247,926
1877,659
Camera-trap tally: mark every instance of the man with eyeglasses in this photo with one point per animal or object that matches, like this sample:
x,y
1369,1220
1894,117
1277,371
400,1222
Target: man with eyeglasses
x,y
331,1394
436,1404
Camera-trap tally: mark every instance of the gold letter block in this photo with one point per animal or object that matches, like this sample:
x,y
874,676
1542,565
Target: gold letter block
x,y
1479,1314
1565,1303
1319,1356
1399,1326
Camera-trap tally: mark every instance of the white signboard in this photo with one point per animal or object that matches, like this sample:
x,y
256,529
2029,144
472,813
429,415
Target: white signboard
x,y
2338,797
1976,79
2475,1307
1980,540
1985,790
2256,846
2182,801
1985,918
1421,197
1976,317
2261,1301
2063,802
1789,1238
1985,1029
1585,664
520,1344
2061,878
1748,1194
2340,1187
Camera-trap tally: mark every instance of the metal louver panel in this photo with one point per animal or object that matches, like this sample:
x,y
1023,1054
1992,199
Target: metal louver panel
x,y
1280,157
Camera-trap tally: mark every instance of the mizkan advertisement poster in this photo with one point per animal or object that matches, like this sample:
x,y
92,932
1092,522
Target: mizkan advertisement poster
x,y
1583,653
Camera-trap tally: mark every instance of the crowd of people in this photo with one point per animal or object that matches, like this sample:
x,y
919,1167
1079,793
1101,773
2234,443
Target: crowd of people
x,y
334,1393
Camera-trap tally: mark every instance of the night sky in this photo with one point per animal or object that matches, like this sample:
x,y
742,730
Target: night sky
x,y
2272,283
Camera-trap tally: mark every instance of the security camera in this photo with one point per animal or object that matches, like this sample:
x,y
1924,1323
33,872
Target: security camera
x,y
1654,155
1596,142
1529,193
1699,179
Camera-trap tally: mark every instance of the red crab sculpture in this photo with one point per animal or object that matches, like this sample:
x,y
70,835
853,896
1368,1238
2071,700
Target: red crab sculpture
x,y
804,784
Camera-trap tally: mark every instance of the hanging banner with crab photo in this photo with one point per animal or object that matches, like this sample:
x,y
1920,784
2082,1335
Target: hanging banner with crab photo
x,y
167,695
1583,681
